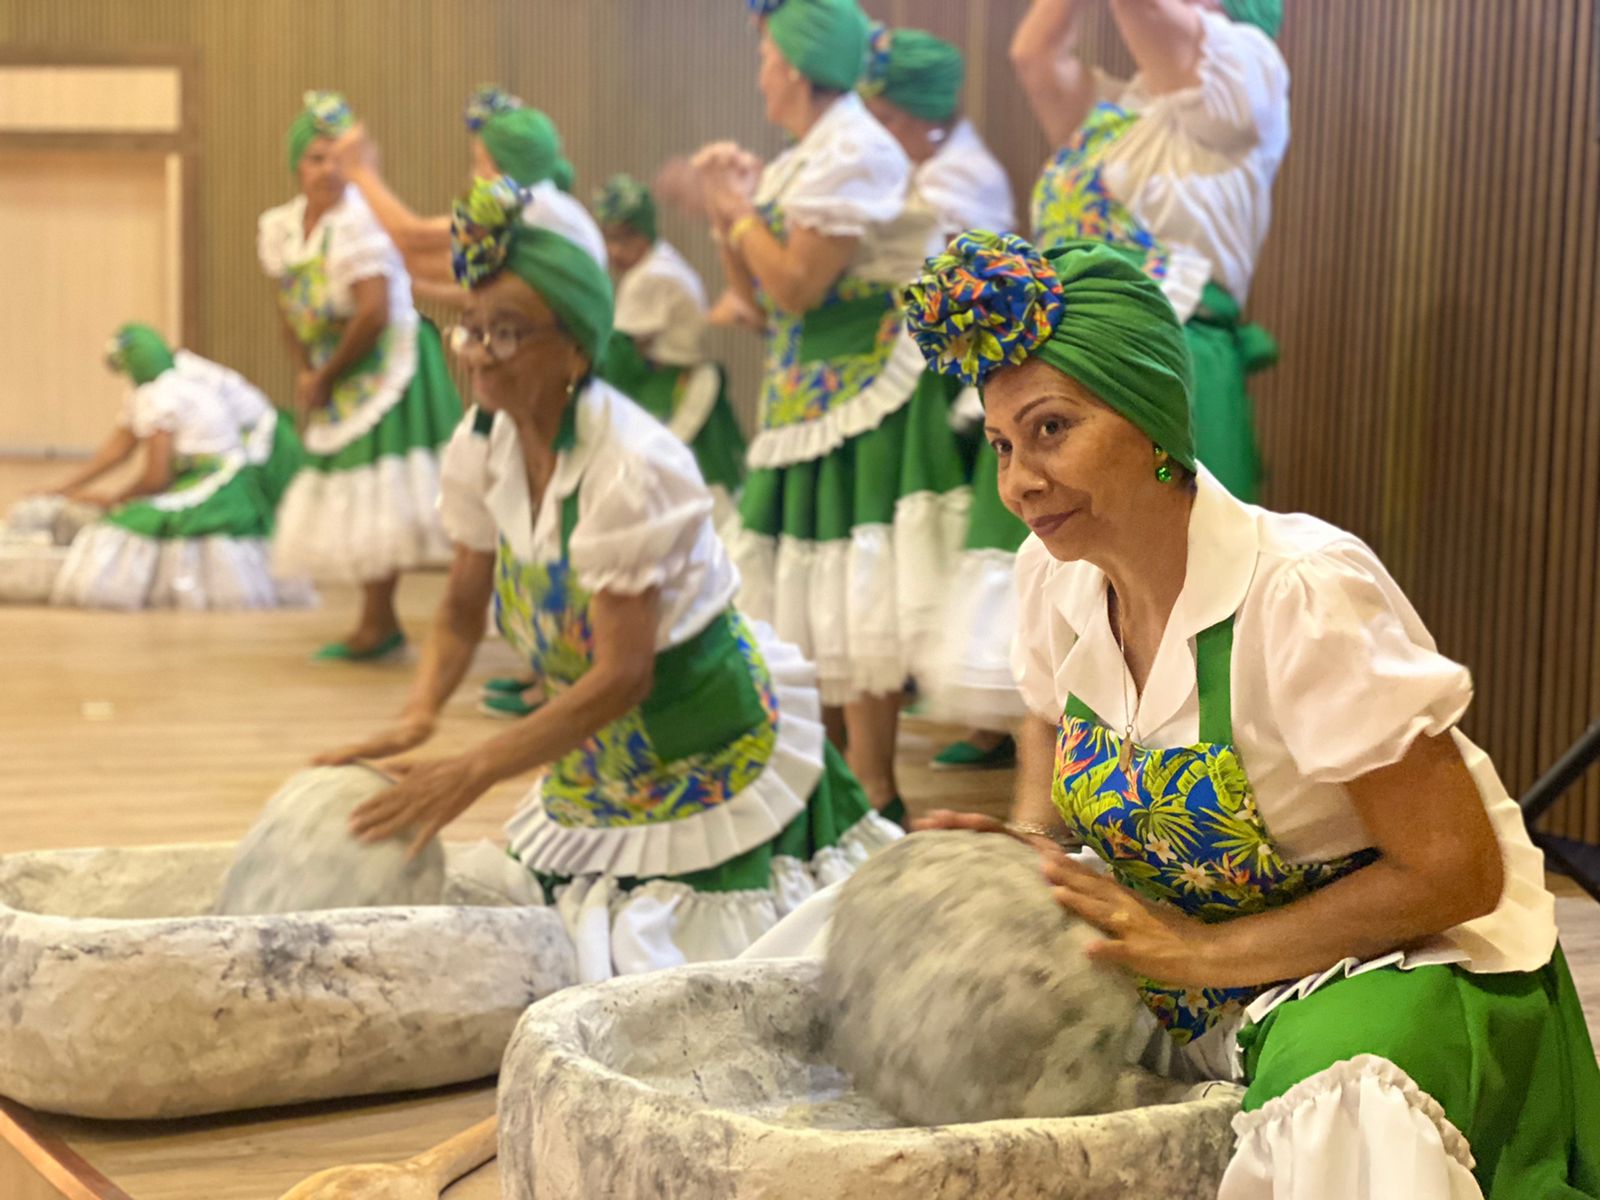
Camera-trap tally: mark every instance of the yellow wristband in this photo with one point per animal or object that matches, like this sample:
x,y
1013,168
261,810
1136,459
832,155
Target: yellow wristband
x,y
739,228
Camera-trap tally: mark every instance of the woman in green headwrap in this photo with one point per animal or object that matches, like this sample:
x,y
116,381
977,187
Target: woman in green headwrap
x,y
688,797
1178,163
372,393
659,359
507,138
192,529
852,511
912,84
1241,717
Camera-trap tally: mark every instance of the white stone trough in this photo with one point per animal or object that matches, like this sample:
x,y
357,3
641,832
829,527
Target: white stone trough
x,y
120,997
712,1081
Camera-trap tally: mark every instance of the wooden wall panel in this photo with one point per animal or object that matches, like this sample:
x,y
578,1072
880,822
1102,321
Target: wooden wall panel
x,y
1431,274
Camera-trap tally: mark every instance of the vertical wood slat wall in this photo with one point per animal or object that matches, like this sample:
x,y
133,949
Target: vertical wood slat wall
x,y
1433,274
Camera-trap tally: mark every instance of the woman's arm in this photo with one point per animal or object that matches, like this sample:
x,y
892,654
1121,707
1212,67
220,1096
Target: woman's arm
x,y
157,474
458,627
796,273
1058,84
1165,38
445,293
432,794
114,450
362,331
1439,866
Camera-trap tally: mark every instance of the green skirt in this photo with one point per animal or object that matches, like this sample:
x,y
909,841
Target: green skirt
x,y
672,396
848,555
1502,1063
370,509
200,545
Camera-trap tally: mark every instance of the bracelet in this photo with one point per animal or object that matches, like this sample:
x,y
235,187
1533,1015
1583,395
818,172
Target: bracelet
x,y
738,229
1029,829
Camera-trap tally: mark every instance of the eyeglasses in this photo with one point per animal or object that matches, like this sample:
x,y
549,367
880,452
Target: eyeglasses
x,y
498,341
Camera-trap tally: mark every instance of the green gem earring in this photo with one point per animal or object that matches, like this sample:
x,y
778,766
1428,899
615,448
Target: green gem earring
x,y
1163,466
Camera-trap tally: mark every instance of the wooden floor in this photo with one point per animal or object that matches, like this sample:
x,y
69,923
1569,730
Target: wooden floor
x,y
120,729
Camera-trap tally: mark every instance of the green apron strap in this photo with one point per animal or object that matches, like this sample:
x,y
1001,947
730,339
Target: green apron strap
x,y
1077,708
569,518
1213,668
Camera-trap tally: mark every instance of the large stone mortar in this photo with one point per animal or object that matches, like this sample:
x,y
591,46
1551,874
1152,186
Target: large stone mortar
x,y
710,1081
120,997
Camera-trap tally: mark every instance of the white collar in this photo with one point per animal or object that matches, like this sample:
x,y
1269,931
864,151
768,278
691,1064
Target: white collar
x,y
533,536
843,112
1222,551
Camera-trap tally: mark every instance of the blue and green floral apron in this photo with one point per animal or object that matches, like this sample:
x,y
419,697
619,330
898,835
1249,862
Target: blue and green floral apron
x,y
1072,200
705,732
828,355
306,299
1180,827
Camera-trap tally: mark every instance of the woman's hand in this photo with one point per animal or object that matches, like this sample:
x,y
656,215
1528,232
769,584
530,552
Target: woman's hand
x,y
944,818
1152,940
408,735
431,793
356,150
728,176
311,391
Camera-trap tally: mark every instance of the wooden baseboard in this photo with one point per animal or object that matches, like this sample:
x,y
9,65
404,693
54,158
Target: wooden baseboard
x,y
36,1165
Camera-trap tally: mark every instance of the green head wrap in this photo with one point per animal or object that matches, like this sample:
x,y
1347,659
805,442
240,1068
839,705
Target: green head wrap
x,y
1265,15
522,141
914,71
625,201
825,40
991,300
488,234
138,352
325,115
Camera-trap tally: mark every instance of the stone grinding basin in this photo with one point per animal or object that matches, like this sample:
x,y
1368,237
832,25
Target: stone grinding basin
x,y
120,997
711,1081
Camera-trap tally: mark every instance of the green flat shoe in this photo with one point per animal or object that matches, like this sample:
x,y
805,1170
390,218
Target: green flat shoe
x,y
964,756
339,652
503,685
508,706
895,811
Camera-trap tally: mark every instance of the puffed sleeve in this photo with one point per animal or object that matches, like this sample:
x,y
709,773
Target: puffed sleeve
x,y
1243,83
856,180
156,407
270,229
359,248
1353,676
1042,637
464,484
642,520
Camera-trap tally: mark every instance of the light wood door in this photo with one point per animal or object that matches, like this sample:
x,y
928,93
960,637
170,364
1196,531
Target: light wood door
x,y
86,243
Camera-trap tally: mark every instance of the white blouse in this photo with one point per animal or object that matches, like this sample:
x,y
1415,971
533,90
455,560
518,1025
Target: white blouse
x,y
662,304
848,177
965,186
357,248
1197,168
644,513
245,402
185,402
1334,675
